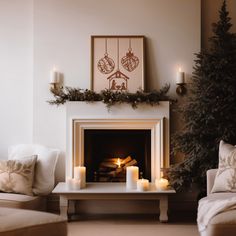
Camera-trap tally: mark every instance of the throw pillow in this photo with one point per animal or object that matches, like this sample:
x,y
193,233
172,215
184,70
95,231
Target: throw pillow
x,y
45,166
16,176
225,180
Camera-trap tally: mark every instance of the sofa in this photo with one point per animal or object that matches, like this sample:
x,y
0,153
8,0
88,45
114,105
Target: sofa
x,y
26,179
223,223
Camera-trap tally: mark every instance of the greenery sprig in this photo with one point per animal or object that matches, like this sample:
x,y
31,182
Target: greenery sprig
x,y
109,97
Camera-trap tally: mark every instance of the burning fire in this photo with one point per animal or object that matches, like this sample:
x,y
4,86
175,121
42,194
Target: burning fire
x,y
118,163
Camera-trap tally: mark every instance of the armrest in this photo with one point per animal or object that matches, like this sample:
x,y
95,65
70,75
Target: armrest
x,y
211,174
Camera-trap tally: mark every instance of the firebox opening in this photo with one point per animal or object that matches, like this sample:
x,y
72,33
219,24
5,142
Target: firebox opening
x,y
107,153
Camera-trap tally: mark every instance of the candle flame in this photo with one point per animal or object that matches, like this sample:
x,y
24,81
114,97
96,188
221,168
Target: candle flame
x,y
118,162
180,69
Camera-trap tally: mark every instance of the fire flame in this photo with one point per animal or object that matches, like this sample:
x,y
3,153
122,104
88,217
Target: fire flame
x,y
118,163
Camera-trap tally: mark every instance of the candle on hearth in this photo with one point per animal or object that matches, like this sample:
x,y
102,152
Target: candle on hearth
x,y
180,77
80,173
161,184
143,185
76,183
69,183
132,173
54,76
73,184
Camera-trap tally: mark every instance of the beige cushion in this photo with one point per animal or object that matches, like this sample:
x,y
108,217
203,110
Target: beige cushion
x,y
222,224
17,175
15,222
22,201
45,166
225,180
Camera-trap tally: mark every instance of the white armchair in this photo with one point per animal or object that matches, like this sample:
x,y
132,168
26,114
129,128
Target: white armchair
x,y
224,223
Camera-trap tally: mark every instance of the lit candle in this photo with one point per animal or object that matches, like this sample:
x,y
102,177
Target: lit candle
x,y
161,184
69,183
73,184
143,185
118,163
180,77
80,173
54,76
76,183
132,173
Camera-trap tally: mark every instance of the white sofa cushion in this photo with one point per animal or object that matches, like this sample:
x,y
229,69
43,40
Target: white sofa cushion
x,y
225,180
16,176
45,165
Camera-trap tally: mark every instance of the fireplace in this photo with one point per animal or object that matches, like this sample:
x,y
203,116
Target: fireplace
x,y
108,152
97,137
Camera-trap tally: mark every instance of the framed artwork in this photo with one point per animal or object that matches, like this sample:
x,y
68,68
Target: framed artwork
x,y
117,63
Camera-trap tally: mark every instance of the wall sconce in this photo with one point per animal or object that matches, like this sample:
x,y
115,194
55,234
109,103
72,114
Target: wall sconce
x,y
180,81
55,80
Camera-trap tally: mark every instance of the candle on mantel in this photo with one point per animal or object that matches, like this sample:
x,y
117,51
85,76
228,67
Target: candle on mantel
x,y
54,76
80,173
161,184
143,185
132,173
180,77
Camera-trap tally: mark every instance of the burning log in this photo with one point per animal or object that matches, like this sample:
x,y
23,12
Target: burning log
x,y
113,169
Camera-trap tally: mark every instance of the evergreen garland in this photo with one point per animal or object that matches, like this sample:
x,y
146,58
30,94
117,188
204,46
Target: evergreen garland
x,y
210,111
110,98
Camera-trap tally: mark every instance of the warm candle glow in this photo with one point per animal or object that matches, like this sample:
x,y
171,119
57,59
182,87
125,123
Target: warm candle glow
x,y
180,69
118,163
162,184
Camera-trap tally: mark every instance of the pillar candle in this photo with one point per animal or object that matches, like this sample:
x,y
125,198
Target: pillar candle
x,y
143,185
73,184
161,184
180,77
54,76
76,183
132,173
80,173
69,183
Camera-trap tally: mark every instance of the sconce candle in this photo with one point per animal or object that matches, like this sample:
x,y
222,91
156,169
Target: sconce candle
x,y
132,173
180,77
54,76
143,185
80,173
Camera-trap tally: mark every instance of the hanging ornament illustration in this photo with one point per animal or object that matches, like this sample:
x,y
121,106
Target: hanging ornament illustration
x,y
118,81
130,61
106,65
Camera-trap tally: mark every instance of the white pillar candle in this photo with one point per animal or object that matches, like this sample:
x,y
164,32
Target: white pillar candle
x,y
132,173
161,184
180,77
76,183
143,185
69,183
54,76
80,173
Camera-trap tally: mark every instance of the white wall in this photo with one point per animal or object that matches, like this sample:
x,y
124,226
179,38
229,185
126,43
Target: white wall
x,y
36,34
62,31
16,68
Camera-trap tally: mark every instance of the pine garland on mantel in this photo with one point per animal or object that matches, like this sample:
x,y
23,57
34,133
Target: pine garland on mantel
x,y
110,98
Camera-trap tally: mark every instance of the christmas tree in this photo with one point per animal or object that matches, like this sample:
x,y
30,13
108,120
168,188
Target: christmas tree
x,y
209,114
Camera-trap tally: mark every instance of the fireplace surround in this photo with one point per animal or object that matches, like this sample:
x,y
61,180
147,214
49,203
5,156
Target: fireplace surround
x,y
83,117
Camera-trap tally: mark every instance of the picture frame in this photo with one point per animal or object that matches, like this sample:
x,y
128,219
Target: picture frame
x,y
117,63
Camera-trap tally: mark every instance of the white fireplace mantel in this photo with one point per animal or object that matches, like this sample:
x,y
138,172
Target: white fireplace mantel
x,y
82,115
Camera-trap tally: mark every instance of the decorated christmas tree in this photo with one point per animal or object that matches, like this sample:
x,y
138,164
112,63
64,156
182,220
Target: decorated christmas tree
x,y
209,114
